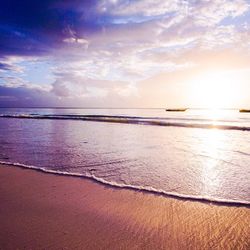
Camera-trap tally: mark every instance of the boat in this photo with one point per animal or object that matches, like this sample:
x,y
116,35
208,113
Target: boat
x,y
244,110
176,110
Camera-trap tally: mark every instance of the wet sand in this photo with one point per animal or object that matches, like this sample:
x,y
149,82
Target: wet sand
x,y
46,211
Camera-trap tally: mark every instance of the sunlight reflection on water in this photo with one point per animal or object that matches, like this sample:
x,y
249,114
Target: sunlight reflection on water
x,y
197,162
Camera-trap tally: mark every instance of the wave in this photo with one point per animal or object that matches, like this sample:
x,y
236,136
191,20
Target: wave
x,y
153,121
147,189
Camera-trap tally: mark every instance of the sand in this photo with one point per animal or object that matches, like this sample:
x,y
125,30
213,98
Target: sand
x,y
46,211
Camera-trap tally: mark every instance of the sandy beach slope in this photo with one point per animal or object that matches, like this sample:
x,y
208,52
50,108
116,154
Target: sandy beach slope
x,y
46,211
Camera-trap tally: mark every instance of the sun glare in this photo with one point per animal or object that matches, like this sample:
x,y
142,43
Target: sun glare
x,y
214,90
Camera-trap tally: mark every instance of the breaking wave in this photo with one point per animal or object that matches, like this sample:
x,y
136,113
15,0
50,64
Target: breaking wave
x,y
148,189
153,121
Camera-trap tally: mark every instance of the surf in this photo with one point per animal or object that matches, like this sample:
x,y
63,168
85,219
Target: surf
x,y
152,121
146,189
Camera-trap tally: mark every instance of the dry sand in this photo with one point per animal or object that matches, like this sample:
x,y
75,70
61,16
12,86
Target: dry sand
x,y
46,211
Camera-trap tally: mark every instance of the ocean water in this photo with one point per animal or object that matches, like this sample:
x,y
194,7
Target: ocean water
x,y
197,154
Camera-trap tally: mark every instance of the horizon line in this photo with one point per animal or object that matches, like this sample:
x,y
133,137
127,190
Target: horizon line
x,y
68,107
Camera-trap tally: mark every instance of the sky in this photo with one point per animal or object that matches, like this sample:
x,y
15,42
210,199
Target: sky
x,y
125,53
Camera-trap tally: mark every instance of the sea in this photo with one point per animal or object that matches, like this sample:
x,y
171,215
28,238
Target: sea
x,y
197,154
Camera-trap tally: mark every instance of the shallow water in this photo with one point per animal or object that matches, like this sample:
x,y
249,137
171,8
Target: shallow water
x,y
116,147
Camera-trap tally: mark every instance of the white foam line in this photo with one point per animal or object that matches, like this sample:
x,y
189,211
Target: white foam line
x,y
133,187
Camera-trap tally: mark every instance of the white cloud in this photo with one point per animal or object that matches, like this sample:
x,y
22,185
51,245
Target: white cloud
x,y
209,13
140,7
144,39
76,40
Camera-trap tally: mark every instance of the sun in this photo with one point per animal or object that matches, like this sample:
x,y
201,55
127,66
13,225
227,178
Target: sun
x,y
214,90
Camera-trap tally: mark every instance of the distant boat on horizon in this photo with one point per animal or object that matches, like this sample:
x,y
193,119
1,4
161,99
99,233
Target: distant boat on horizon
x,y
244,110
176,110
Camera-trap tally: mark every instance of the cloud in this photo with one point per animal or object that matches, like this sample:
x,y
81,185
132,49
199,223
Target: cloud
x,y
105,49
71,85
60,89
5,66
25,97
146,8
39,28
209,13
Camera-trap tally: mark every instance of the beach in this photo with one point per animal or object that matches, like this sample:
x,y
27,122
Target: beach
x,y
47,211
125,125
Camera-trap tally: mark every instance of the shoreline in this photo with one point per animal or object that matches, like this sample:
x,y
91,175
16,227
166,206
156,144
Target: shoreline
x,y
48,211
100,181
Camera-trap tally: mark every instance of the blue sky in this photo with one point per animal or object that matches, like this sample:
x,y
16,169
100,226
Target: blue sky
x,y
121,53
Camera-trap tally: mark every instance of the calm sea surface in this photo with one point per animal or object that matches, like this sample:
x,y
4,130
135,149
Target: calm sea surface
x,y
195,154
